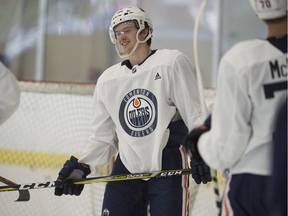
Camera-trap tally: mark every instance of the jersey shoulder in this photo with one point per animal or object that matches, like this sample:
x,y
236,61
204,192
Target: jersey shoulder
x,y
112,72
166,56
169,52
251,52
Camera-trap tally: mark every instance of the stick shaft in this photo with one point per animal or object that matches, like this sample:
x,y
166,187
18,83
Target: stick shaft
x,y
114,178
28,186
135,176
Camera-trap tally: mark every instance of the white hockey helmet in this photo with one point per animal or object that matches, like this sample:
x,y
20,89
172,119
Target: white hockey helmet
x,y
130,13
269,9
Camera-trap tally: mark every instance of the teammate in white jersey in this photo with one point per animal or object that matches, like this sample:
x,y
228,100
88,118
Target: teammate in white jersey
x,y
252,84
142,109
10,93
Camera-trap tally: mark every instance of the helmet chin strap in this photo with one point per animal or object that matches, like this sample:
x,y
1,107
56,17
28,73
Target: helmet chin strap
x,y
126,55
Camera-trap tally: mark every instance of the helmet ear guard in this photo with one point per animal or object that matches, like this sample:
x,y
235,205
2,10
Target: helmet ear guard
x,y
269,9
112,35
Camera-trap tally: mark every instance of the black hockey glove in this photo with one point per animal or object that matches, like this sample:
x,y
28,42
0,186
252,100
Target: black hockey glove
x,y
200,170
71,170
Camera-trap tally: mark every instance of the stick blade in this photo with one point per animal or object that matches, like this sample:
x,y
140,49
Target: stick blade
x,y
24,195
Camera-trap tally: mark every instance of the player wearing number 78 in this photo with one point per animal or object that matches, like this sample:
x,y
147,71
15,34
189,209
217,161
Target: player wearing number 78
x,y
252,84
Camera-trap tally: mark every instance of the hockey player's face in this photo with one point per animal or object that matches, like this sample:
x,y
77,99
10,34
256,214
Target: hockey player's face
x,y
125,34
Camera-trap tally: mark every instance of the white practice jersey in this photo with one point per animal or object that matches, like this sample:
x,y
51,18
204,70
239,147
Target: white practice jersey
x,y
9,93
132,109
252,84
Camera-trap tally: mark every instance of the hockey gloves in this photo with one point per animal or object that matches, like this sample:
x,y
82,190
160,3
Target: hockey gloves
x,y
200,170
71,170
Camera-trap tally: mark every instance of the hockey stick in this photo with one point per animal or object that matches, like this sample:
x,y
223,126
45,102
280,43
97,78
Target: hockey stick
x,y
217,192
100,179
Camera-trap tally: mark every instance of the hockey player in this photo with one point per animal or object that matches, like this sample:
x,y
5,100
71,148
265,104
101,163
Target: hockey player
x,y
10,93
252,84
142,109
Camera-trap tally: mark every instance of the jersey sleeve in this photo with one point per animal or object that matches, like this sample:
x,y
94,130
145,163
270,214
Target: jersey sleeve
x,y
10,93
185,93
103,142
228,138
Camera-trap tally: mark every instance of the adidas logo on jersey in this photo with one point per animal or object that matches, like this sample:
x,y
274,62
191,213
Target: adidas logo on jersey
x,y
157,76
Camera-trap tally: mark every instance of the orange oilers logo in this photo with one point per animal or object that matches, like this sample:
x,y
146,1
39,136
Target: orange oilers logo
x,y
138,113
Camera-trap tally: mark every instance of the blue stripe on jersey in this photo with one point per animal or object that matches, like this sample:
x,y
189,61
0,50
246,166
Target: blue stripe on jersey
x,y
279,42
